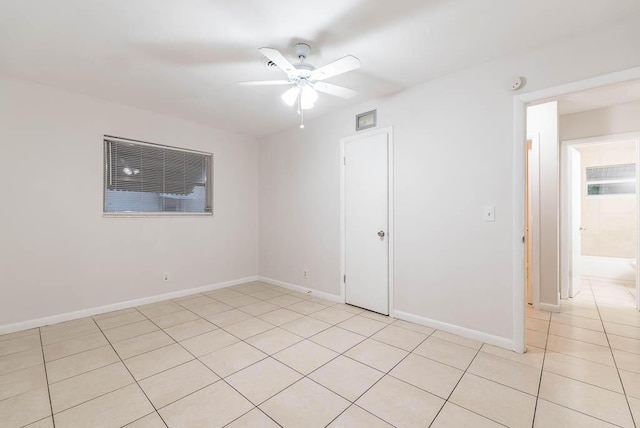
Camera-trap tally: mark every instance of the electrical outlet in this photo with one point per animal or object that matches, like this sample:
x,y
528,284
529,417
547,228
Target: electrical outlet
x,y
165,276
305,274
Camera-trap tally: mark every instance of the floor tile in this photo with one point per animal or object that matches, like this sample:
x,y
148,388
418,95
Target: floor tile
x,y
583,370
239,302
19,344
378,317
377,354
591,400
634,404
168,386
145,365
259,308
551,415
140,344
532,357
355,416
190,329
536,338
263,380
469,343
622,330
494,401
21,333
130,330
42,423
223,319
306,307
346,377
68,330
175,318
304,404
577,333
120,320
578,349
208,342
432,376
211,309
452,416
114,409
160,308
305,356
588,323
196,301
87,386
306,326
80,363
254,419
537,325
631,382
401,404
21,381
337,339
280,316
251,327
285,300
625,344
274,340
361,325
152,420
399,337
627,360
522,377
446,352
331,316
414,327
229,360
25,408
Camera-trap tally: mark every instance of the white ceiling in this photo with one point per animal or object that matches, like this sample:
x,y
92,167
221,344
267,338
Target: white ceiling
x,y
605,96
184,57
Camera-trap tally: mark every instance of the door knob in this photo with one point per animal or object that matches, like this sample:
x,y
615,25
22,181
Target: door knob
x,y
381,234
582,228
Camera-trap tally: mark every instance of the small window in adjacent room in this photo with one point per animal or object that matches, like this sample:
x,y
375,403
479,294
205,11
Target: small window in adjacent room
x,y
144,178
611,180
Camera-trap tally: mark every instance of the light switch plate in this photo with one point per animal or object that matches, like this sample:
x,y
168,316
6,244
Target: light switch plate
x,y
489,213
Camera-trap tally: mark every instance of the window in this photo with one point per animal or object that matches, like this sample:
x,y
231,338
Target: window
x,y
143,178
611,180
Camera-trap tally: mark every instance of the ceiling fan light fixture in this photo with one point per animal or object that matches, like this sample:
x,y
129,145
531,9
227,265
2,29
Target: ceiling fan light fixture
x,y
291,96
309,97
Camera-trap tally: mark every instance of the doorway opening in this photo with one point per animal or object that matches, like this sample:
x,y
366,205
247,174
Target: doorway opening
x,y
572,279
600,213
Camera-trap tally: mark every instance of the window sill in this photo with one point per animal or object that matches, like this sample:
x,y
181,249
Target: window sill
x,y
156,215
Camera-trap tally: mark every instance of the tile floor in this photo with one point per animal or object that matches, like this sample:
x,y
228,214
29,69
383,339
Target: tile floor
x,y
257,355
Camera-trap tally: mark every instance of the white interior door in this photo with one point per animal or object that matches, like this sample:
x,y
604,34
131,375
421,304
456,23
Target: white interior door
x,y
366,193
576,220
533,228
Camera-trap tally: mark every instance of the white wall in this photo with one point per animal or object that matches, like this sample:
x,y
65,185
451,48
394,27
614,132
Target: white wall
x,y
453,155
618,119
542,121
57,252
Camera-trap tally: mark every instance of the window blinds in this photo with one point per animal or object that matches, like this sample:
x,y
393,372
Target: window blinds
x,y
148,178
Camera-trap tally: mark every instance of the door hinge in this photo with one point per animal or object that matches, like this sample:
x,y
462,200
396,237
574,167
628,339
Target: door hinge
x,y
344,279
523,239
344,160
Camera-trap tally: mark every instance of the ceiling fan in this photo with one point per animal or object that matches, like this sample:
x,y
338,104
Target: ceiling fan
x,y
306,80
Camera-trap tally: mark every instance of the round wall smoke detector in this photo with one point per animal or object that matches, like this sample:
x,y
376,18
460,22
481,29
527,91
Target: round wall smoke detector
x,y
516,83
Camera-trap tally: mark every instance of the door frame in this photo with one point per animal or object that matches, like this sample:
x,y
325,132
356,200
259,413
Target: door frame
x,y
534,221
565,233
343,227
520,103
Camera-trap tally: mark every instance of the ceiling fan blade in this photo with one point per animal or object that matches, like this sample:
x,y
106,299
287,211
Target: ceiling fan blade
x,y
265,83
278,59
338,91
334,68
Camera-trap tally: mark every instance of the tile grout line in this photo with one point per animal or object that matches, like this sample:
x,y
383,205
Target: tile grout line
x,y
544,357
131,374
613,356
46,378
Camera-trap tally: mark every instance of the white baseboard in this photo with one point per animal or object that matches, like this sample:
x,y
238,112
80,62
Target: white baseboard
x,y
454,329
323,295
54,319
548,307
